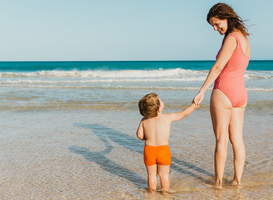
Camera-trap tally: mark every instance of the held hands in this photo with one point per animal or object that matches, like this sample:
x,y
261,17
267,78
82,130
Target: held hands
x,y
198,98
196,106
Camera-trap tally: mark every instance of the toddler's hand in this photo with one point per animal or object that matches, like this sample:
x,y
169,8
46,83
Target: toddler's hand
x,y
198,98
196,106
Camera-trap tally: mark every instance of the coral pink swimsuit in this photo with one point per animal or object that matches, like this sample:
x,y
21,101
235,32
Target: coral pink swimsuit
x,y
231,79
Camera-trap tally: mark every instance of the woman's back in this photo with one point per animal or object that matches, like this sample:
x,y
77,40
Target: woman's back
x,y
244,43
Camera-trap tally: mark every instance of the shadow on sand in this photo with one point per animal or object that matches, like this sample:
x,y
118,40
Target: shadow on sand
x,y
132,144
108,165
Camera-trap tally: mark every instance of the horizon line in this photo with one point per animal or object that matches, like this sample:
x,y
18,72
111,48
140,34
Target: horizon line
x,y
121,60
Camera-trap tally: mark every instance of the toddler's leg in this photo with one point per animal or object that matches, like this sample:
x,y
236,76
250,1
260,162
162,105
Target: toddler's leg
x,y
152,177
163,172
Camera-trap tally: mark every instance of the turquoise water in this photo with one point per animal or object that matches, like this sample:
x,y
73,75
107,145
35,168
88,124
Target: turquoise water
x,y
266,65
176,75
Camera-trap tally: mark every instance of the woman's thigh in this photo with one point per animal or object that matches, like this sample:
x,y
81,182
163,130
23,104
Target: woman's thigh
x,y
236,125
220,109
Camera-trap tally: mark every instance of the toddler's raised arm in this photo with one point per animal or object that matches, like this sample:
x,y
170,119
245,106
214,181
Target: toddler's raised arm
x,y
182,114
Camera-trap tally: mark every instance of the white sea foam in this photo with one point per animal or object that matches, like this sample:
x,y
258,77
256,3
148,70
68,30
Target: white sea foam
x,y
110,74
259,89
171,73
173,79
111,80
106,87
254,75
110,86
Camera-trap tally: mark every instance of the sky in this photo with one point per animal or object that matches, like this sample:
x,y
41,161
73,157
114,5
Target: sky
x,y
116,30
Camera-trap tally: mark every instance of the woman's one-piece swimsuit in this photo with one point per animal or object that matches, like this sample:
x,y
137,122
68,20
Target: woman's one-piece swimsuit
x,y
231,79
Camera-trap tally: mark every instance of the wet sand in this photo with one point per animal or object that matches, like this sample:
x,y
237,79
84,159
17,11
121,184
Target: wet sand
x,y
94,154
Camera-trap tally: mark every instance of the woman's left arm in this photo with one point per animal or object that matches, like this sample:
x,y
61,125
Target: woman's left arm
x,y
225,54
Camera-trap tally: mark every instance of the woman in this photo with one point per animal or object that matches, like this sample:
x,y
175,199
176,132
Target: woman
x,y
229,98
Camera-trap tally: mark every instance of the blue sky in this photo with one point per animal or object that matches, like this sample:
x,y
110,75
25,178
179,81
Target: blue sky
x,y
91,30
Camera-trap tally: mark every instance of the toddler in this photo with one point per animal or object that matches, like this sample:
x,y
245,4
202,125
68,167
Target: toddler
x,y
154,128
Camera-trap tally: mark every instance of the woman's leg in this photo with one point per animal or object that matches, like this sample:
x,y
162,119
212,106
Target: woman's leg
x,y
220,109
163,172
236,139
152,177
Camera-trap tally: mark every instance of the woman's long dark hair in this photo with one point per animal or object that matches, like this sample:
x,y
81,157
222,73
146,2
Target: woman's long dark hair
x,y
223,11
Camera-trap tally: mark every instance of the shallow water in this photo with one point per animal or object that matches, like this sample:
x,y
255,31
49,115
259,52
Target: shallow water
x,y
67,131
81,144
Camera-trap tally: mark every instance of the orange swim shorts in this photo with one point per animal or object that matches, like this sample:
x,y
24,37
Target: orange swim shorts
x,y
157,155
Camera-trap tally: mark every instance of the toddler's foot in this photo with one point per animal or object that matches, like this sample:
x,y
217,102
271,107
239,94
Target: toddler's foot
x,y
236,184
164,193
151,191
214,185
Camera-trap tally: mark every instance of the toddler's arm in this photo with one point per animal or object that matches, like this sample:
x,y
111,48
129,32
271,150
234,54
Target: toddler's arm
x,y
182,114
140,131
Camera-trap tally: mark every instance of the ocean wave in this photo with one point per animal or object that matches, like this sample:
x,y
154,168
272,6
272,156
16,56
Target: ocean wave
x,y
108,74
259,89
161,73
136,80
110,86
255,75
107,86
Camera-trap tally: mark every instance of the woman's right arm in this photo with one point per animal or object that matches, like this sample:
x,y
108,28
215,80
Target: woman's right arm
x,y
224,56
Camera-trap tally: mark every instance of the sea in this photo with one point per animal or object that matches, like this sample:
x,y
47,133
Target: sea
x,y
68,130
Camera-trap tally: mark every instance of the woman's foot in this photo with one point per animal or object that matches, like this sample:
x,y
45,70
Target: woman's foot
x,y
214,185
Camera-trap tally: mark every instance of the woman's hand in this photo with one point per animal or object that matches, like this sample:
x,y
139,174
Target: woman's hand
x,y
199,98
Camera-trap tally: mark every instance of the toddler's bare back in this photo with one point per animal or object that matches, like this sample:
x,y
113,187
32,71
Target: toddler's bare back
x,y
157,130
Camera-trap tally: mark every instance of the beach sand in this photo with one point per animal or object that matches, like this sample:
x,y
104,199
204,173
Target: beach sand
x,y
93,153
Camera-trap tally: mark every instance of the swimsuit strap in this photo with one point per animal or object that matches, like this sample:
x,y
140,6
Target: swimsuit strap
x,y
237,39
239,44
